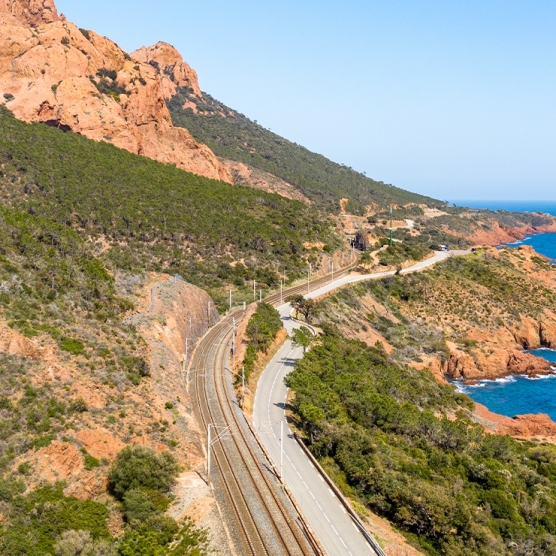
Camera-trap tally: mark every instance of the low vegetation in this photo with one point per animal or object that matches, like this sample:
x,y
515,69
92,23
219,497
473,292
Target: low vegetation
x,y
45,521
403,446
417,313
486,288
262,329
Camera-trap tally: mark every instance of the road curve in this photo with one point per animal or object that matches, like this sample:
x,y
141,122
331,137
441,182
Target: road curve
x,y
322,509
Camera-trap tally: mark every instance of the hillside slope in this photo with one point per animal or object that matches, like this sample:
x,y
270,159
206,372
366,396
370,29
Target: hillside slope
x,y
233,136
150,216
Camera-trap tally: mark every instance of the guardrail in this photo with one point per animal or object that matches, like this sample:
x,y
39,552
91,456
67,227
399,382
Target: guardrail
x,y
370,539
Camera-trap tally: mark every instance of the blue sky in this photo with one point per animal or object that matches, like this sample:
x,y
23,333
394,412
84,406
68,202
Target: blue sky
x,y
455,99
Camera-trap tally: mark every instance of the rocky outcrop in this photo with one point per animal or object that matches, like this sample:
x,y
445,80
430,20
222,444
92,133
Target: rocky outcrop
x,y
28,12
547,331
521,426
174,71
497,234
501,351
77,80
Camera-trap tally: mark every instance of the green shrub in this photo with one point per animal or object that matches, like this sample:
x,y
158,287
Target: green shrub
x,y
90,461
37,520
75,347
137,505
81,543
139,467
262,329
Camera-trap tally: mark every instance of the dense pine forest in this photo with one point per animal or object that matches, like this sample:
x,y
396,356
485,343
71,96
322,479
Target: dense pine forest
x,y
154,216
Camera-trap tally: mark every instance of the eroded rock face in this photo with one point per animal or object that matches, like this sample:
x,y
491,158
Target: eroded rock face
x,y
521,426
174,71
28,12
79,81
548,334
501,351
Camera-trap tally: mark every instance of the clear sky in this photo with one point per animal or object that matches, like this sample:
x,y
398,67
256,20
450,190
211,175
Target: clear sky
x,y
451,98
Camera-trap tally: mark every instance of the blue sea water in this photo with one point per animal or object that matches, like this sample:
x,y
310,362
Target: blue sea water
x,y
510,206
517,395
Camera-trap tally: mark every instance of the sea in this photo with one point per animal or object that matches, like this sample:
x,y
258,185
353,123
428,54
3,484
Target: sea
x,y
518,395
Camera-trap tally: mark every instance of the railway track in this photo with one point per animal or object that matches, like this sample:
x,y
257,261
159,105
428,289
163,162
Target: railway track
x,y
266,523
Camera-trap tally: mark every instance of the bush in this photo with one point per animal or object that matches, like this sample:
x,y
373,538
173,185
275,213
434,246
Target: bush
x,y
72,346
80,543
43,516
137,505
139,467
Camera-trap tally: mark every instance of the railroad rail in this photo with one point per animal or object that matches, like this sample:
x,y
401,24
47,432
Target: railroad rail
x,y
266,524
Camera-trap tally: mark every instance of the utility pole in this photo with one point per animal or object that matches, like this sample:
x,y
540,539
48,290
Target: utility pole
x,y
391,225
254,290
190,323
233,344
208,453
281,292
242,387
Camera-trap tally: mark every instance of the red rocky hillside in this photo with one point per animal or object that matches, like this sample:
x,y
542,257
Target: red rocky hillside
x,y
55,73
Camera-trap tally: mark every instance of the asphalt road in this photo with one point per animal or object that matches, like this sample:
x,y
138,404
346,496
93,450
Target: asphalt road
x,y
322,509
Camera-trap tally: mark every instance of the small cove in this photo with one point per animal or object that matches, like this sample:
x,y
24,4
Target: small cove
x,y
518,395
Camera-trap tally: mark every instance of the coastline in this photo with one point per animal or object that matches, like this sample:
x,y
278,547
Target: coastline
x,y
527,337
499,235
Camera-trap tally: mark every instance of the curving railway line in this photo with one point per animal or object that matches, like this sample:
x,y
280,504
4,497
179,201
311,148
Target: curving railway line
x,y
265,522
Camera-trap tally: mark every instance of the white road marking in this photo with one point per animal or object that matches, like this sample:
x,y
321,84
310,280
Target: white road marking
x,y
328,520
330,490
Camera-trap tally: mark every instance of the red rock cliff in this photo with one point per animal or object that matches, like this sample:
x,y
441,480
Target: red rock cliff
x,y
52,72
27,12
173,70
